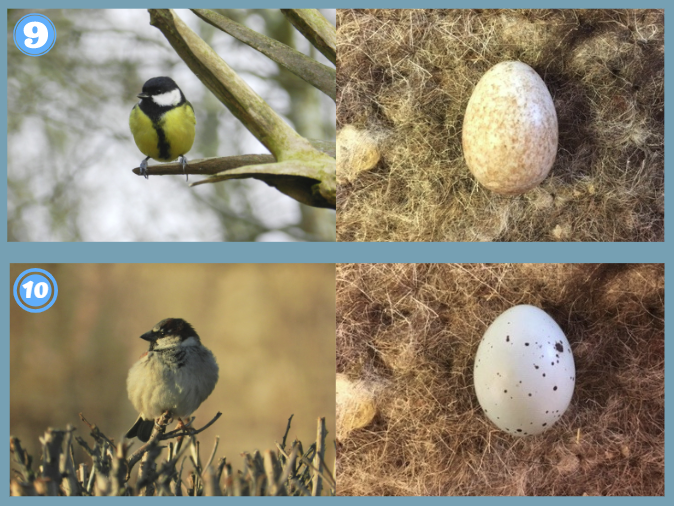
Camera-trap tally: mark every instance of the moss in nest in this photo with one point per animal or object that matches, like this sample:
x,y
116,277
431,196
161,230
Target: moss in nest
x,y
412,72
355,402
416,327
357,151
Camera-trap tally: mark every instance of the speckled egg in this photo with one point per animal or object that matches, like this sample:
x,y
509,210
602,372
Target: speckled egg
x,y
510,129
524,371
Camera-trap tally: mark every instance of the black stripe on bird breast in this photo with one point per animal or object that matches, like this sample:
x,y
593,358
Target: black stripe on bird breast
x,y
156,114
162,143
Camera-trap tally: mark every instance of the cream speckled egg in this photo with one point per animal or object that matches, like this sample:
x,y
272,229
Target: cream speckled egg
x,y
524,371
510,129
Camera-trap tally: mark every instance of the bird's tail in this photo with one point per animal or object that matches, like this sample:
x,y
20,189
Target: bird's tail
x,y
142,429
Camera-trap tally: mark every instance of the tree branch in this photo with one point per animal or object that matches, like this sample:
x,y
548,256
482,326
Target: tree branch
x,y
290,149
308,69
187,431
228,87
96,433
313,25
295,179
318,457
214,165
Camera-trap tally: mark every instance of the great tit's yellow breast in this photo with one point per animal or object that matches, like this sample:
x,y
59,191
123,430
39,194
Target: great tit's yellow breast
x,y
144,133
170,137
178,126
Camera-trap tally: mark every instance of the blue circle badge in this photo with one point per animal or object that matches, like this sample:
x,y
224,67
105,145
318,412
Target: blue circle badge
x,y
34,34
35,290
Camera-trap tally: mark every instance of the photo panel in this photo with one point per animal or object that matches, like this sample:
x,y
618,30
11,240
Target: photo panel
x,y
235,108
531,125
107,361
500,379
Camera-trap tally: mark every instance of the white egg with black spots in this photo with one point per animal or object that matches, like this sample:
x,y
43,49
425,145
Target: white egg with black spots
x,y
524,371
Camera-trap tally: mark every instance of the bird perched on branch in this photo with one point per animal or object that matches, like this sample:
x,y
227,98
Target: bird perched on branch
x,y
177,374
162,123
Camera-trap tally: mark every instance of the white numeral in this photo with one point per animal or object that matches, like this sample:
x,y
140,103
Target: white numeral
x,y
33,30
41,289
29,289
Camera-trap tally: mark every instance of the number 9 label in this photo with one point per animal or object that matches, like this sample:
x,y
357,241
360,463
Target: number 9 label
x,y
35,290
34,34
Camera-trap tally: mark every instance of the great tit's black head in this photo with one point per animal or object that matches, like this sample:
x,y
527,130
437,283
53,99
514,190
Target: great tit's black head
x,y
163,91
171,331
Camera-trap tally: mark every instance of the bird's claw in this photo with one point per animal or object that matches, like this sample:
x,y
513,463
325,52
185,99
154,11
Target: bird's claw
x,y
183,162
143,168
164,419
187,427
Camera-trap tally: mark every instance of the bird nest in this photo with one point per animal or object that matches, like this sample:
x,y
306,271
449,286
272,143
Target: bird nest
x,y
405,76
406,339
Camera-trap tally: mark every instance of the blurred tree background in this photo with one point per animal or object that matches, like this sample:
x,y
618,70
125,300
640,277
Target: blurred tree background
x,y
70,151
270,326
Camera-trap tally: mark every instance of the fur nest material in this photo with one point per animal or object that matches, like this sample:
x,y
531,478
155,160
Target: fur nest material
x,y
410,73
415,328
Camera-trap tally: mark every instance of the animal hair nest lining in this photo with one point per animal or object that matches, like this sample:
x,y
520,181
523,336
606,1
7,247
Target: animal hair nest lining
x,y
410,73
415,328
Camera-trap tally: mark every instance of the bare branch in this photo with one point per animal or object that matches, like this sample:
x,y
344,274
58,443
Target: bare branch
x,y
52,442
308,69
313,25
157,432
67,465
211,166
215,449
318,458
267,473
285,436
307,183
296,179
258,117
22,458
290,149
189,431
96,433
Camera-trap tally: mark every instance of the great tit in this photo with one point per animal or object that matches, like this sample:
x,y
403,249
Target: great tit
x,y
162,123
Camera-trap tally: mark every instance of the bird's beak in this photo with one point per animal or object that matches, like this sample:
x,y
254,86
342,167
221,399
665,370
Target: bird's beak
x,y
143,95
148,336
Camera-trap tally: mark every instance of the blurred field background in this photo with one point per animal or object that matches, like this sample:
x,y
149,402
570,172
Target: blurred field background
x,y
406,341
404,78
271,328
70,152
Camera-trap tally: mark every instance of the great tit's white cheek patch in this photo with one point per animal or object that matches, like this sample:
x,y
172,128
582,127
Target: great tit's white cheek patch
x,y
169,98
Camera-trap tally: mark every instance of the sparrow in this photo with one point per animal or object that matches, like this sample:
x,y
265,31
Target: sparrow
x,y
177,374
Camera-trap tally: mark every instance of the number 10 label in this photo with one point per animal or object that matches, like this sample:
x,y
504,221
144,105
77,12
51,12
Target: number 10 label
x,y
35,290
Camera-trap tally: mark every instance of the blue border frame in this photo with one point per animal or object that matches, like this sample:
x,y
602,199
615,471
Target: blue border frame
x,y
330,252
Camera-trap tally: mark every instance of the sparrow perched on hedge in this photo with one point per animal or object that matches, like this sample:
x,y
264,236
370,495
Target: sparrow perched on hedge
x,y
178,373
